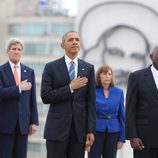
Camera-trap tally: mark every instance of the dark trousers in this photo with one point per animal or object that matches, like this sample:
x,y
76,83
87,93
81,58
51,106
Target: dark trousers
x,y
105,145
13,145
70,148
146,153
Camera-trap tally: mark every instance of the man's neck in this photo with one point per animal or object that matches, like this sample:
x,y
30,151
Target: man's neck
x,y
72,57
155,66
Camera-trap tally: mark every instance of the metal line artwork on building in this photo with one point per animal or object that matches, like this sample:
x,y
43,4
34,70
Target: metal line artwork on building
x,y
115,36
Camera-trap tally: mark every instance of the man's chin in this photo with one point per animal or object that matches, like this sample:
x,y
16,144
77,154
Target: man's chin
x,y
74,52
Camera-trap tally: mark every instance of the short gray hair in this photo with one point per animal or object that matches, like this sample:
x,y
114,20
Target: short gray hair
x,y
11,42
65,35
154,50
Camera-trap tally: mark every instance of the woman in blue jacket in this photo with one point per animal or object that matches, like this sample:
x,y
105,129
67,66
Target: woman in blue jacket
x,y
110,125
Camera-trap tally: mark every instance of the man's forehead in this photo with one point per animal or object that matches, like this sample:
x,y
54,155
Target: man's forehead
x,y
16,44
155,50
72,35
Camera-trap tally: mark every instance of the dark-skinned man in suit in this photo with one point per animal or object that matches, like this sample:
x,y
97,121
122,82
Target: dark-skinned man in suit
x,y
142,110
18,108
70,123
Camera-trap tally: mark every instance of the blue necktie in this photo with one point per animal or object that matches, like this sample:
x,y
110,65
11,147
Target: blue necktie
x,y
72,70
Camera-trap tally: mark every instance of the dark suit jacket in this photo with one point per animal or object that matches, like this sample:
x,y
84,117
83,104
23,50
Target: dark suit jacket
x,y
142,108
14,106
65,106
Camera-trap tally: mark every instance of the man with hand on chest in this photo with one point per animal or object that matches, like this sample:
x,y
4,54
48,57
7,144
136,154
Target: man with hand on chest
x,y
18,107
68,85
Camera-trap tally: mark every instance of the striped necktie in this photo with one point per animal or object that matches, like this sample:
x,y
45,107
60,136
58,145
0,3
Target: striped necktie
x,y
72,70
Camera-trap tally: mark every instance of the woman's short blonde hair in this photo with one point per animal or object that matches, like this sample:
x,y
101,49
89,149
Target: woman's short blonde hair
x,y
104,69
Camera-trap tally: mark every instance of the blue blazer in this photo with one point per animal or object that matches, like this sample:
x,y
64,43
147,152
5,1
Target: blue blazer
x,y
16,107
110,111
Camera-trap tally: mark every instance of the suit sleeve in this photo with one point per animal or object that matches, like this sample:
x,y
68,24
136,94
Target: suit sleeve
x,y
49,94
33,102
8,92
91,107
121,116
131,102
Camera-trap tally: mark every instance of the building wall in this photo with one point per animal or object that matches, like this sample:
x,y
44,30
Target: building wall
x,y
96,21
3,23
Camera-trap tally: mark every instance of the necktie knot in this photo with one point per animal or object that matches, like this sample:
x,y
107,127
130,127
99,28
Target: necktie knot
x,y
15,66
72,63
72,70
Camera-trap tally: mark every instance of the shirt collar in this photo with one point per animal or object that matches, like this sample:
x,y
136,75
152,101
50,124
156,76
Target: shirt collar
x,y
68,60
154,71
12,64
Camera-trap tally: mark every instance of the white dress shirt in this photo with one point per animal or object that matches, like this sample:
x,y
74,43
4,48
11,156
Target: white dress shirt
x,y
68,60
155,75
18,69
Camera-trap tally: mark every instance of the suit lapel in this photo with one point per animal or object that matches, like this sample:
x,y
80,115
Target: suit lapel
x,y
81,69
82,73
9,73
149,79
23,72
63,69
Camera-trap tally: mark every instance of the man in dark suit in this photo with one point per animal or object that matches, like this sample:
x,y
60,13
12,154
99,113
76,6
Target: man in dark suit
x,y
70,123
18,109
142,110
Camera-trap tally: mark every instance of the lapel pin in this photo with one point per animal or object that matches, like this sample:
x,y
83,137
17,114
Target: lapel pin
x,y
24,70
82,68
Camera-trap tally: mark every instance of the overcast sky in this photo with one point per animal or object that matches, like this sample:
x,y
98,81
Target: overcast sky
x,y
71,5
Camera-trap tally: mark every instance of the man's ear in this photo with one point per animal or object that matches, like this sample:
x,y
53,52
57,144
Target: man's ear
x,y
151,56
62,45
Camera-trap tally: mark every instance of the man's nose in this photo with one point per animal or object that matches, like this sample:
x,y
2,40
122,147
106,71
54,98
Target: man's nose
x,y
74,41
17,51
